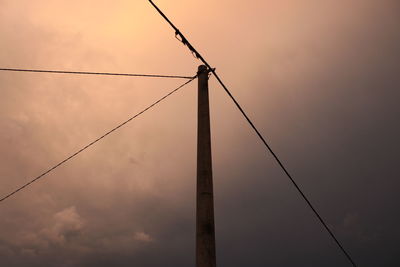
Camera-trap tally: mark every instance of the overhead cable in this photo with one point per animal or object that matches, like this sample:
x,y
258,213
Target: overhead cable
x,y
93,142
99,73
198,55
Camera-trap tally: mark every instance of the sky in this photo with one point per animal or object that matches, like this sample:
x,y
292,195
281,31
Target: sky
x,y
318,78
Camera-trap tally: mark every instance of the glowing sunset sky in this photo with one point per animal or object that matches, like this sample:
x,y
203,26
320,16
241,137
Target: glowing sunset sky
x,y
319,78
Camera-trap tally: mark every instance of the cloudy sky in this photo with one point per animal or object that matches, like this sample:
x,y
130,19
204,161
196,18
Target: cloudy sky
x,y
319,78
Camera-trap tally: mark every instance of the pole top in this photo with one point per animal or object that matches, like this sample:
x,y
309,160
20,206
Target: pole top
x,y
202,68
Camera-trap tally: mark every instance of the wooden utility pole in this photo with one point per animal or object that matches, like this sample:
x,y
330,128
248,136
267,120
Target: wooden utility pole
x,y
205,233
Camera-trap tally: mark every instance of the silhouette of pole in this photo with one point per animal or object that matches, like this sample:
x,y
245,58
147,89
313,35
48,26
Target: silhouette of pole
x,y
205,232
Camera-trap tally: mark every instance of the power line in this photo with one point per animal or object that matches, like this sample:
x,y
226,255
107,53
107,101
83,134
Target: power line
x,y
197,54
99,73
94,142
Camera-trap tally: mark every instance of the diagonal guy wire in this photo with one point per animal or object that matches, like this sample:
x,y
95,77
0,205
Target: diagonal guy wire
x,y
93,142
198,55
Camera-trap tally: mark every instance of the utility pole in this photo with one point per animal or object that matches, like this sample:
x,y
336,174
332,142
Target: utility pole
x,y
205,232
